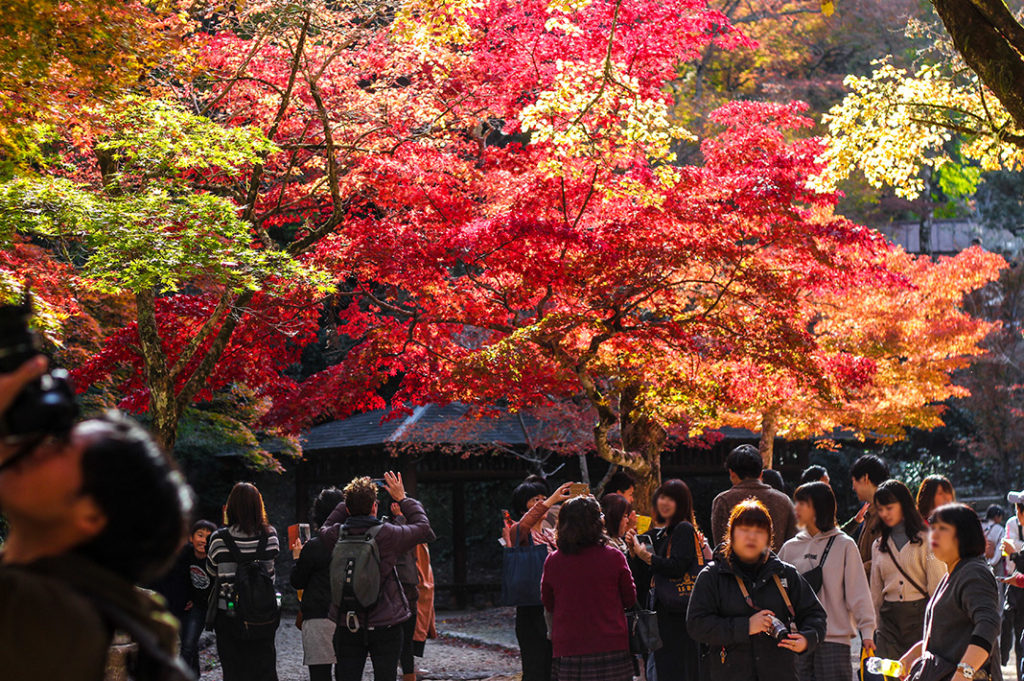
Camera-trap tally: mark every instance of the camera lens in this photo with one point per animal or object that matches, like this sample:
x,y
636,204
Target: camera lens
x,y
778,630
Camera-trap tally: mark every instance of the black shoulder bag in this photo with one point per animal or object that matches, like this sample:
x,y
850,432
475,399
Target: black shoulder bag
x,y
815,577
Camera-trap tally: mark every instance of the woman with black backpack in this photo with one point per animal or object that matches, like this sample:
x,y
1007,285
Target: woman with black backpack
x,y
830,563
245,613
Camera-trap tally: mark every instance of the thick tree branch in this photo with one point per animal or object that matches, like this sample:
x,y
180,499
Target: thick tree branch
x,y
985,48
202,372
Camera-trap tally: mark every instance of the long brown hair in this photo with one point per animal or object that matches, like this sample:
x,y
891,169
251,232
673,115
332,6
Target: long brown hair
x,y
245,509
678,491
926,493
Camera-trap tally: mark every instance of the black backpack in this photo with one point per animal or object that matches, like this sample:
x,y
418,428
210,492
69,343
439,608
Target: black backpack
x,y
253,607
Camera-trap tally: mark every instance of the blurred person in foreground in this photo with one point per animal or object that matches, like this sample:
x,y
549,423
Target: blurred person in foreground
x,y
90,515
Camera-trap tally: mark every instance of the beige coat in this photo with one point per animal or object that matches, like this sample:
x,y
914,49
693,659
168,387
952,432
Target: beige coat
x,y
917,560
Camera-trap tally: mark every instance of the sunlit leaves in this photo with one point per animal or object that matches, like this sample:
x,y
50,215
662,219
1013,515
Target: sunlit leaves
x,y
157,140
894,123
148,240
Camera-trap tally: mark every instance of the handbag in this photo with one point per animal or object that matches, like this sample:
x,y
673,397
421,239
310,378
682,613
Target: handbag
x,y
815,577
521,570
673,593
644,636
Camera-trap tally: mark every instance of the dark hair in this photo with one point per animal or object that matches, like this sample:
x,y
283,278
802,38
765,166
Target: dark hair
x,y
895,492
926,493
615,507
748,513
141,493
360,496
773,479
745,461
619,483
540,480
871,466
326,501
813,474
245,508
579,525
823,499
676,490
526,490
202,525
969,535
994,511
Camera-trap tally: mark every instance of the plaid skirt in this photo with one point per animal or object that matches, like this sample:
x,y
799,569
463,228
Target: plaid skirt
x,y
614,666
828,662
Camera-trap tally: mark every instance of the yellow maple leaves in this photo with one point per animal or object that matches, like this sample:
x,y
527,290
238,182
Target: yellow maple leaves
x,y
893,123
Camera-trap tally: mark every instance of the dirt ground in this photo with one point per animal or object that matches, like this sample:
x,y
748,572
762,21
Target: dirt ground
x,y
473,645
445,659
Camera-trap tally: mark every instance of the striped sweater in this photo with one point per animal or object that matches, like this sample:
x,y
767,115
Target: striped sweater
x,y
221,564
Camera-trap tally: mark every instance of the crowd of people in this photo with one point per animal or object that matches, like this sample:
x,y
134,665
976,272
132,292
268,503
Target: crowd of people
x,y
778,589
930,590
215,583
97,516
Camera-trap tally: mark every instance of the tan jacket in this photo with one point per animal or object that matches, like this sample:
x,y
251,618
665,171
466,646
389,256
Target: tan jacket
x,y
425,627
917,560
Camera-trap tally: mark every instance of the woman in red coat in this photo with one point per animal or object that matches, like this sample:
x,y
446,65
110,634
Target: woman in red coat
x,y
587,587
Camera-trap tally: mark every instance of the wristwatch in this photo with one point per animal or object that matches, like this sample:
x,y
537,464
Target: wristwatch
x,y
966,670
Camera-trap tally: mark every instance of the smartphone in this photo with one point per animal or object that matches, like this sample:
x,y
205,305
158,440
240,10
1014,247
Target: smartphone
x,y
646,540
506,517
304,533
379,482
579,489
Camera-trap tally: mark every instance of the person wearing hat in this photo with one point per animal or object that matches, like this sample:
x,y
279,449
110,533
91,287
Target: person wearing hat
x,y
1013,608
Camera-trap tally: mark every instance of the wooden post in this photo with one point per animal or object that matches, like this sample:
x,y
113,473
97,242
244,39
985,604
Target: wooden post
x,y
459,567
409,477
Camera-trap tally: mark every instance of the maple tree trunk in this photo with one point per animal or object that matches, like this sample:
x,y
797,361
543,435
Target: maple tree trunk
x,y
769,427
643,493
163,405
645,437
991,41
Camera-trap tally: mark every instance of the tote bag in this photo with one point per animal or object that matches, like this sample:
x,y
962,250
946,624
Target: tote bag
x,y
521,570
673,593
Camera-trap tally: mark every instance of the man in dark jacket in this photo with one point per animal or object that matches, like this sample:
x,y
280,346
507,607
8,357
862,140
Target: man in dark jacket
x,y
379,632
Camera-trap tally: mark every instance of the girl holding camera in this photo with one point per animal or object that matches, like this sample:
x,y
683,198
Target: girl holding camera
x,y
754,612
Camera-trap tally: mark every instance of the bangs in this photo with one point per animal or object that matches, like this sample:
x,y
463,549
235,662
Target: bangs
x,y
884,496
748,513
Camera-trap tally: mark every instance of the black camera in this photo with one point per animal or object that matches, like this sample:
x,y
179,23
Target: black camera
x,y
778,631
47,405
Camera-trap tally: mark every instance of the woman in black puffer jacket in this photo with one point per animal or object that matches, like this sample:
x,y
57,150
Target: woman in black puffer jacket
x,y
312,574
738,607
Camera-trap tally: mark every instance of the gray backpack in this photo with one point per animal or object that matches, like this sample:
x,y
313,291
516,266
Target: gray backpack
x,y
355,575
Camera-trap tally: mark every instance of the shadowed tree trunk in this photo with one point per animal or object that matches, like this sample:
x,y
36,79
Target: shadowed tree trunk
x,y
991,41
769,428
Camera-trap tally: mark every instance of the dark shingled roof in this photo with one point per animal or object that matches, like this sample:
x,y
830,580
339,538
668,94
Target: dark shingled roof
x,y
446,424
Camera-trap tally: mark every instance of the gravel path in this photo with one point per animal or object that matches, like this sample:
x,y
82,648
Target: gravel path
x,y
444,659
